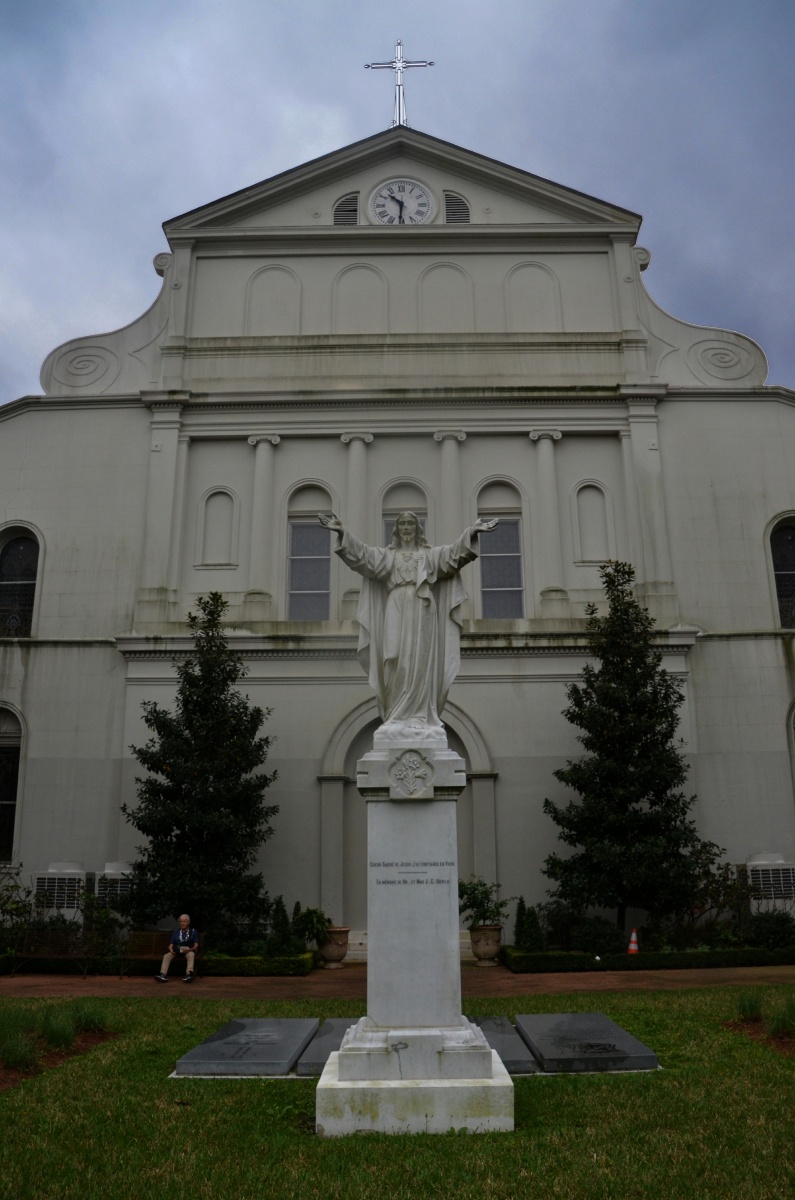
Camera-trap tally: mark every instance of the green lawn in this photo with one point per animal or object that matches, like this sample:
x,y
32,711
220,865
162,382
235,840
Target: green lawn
x,y
717,1122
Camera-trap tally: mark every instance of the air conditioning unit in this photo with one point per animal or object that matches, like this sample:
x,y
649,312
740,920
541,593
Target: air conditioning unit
x,y
772,878
114,881
62,885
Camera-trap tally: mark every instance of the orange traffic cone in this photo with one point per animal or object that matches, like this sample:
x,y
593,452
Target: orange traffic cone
x,y
633,943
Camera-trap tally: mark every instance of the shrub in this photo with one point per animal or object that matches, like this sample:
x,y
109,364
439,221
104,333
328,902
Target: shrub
x,y
771,930
597,935
557,920
19,1052
57,1028
87,1017
749,1005
479,900
312,925
782,1023
527,930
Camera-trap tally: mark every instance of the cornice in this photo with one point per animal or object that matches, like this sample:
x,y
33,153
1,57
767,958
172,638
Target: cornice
x,y
477,644
301,240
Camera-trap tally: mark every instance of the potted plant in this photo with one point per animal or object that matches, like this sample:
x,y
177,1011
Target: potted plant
x,y
331,940
485,914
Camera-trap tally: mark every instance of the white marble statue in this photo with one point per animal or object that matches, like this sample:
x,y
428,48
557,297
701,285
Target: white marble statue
x,y
409,628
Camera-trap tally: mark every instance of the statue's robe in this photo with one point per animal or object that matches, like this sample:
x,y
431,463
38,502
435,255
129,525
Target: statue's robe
x,y
409,623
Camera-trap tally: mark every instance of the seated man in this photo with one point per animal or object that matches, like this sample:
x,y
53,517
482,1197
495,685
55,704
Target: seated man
x,y
184,940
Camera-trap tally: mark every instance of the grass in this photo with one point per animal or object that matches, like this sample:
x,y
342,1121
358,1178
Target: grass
x,y
713,1124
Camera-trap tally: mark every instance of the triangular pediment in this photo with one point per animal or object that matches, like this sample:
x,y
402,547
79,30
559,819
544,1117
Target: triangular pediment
x,y
496,194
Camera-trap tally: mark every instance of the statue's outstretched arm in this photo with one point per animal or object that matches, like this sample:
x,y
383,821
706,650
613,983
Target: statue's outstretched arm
x,y
331,521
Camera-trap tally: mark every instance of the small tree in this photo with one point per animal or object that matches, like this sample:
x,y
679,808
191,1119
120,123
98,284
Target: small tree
x,y
201,806
635,842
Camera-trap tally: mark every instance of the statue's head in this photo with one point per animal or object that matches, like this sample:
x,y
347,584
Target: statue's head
x,y
408,531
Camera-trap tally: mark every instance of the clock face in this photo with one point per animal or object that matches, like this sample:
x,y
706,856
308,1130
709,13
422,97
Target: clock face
x,y
401,202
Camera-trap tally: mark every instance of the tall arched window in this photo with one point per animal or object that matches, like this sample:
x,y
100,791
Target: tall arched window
x,y
782,551
501,574
10,742
19,560
309,550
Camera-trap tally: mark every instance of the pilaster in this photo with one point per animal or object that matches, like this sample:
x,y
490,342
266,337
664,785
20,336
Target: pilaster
x,y
657,586
357,512
259,598
450,522
332,899
546,525
157,600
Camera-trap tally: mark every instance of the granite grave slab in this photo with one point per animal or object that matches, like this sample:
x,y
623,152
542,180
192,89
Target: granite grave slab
x,y
513,1051
250,1046
581,1042
328,1038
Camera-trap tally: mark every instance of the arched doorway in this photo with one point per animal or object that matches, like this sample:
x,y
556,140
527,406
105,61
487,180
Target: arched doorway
x,y
344,811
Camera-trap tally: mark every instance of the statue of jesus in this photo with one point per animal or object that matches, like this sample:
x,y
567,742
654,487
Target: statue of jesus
x,y
409,627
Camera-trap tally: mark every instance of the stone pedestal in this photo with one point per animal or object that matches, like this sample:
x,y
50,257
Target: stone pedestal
x,y
414,1063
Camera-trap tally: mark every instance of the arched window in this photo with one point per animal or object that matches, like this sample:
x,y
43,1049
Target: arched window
x,y
309,550
19,560
782,551
346,210
10,742
501,575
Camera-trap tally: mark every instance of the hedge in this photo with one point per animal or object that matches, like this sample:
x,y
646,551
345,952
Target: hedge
x,y
295,964
522,962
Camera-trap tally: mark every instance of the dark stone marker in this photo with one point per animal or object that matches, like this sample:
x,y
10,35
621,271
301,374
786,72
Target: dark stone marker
x,y
250,1046
578,1042
328,1039
502,1037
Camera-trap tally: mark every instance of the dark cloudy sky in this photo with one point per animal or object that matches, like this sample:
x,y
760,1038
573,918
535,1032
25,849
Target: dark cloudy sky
x,y
117,114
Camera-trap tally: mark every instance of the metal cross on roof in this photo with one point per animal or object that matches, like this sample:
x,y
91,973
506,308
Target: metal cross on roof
x,y
398,64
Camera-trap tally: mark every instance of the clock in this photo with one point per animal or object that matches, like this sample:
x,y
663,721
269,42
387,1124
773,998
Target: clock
x,y
401,202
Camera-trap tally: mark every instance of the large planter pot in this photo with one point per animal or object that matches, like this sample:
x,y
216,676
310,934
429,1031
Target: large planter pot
x,y
485,940
334,950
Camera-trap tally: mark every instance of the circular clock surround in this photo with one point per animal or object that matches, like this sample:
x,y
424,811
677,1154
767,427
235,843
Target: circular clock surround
x,y
401,201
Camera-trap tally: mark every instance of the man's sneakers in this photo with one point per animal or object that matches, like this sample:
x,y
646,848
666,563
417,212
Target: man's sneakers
x,y
188,978
161,978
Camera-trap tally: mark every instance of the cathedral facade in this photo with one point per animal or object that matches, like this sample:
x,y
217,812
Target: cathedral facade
x,y
401,324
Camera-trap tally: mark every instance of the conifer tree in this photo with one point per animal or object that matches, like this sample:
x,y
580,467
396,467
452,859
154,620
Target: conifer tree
x,y
634,841
201,806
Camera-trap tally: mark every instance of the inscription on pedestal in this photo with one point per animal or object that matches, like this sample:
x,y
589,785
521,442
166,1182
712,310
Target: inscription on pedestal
x,y
410,874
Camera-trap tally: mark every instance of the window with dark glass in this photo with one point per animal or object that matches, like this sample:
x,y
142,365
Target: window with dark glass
x,y
501,586
782,549
10,739
310,571
19,559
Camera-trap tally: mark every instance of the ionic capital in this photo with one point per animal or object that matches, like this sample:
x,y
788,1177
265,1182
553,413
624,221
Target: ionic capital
x,y
346,438
441,434
536,435
273,438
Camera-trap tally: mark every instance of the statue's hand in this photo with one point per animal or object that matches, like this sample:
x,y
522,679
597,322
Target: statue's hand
x,y
330,521
485,524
